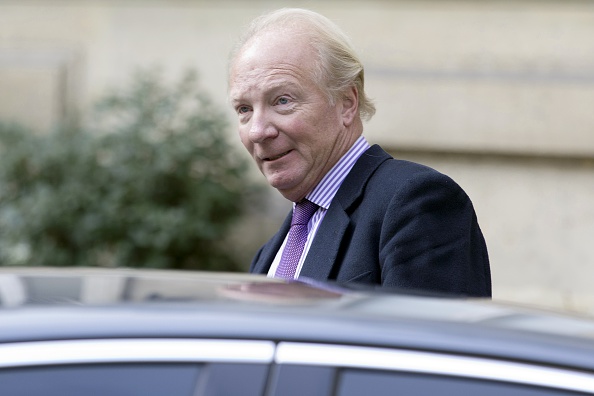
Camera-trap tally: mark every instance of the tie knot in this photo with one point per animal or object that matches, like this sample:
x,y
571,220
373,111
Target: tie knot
x,y
303,211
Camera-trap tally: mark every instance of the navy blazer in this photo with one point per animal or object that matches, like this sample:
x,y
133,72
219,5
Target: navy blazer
x,y
396,224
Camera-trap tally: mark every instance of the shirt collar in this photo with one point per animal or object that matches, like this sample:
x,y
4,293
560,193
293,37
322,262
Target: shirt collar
x,y
324,192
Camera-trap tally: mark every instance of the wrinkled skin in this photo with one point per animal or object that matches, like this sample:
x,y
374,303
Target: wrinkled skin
x,y
286,121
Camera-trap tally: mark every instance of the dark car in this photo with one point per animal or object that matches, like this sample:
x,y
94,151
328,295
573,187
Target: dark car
x,y
163,333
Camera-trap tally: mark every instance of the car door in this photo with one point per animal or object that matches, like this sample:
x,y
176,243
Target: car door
x,y
146,367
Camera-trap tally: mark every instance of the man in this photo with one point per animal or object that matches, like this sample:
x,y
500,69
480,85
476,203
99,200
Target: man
x,y
298,90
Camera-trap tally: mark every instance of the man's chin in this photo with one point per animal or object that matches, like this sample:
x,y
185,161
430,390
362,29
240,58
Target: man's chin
x,y
287,190
280,186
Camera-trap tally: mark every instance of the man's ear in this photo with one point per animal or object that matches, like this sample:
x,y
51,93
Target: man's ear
x,y
350,106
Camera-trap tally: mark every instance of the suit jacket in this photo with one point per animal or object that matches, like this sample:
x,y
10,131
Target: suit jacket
x,y
396,224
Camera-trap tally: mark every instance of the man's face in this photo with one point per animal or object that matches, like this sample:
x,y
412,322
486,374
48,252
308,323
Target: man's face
x,y
286,120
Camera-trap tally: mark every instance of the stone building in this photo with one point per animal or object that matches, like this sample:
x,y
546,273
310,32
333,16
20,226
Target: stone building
x,y
497,94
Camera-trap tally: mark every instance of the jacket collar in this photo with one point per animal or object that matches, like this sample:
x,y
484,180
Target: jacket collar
x,y
324,250
326,245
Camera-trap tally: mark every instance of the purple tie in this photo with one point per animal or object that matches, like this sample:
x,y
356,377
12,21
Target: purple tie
x,y
302,212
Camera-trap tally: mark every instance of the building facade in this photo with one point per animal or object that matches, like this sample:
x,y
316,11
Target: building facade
x,y
497,94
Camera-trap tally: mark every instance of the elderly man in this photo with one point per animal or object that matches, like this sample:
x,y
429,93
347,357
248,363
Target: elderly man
x,y
358,214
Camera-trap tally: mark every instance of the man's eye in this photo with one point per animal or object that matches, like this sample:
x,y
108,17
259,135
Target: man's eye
x,y
243,109
282,100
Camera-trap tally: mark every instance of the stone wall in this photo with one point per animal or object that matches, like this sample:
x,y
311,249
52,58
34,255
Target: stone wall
x,y
498,94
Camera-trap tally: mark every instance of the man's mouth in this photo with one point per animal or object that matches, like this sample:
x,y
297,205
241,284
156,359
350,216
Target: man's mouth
x,y
277,156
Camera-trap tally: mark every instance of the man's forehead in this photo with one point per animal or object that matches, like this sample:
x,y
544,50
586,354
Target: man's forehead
x,y
279,43
270,73
256,82
272,59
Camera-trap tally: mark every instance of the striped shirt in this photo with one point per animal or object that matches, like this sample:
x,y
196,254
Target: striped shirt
x,y
322,195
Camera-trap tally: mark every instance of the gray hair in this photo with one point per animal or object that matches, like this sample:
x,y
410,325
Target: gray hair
x,y
338,67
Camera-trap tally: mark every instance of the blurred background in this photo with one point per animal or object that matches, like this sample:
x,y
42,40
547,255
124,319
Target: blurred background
x,y
119,148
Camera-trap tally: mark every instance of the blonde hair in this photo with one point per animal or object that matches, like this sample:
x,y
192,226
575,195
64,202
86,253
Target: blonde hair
x,y
338,67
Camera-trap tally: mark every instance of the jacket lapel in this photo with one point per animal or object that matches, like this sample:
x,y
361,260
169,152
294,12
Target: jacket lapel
x,y
269,251
326,244
324,250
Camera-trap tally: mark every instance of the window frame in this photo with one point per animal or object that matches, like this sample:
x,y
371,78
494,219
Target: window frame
x,y
421,362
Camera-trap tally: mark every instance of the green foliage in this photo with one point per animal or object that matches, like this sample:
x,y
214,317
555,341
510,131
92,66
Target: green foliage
x,y
152,183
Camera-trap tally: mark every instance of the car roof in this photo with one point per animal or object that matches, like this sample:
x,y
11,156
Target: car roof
x,y
63,303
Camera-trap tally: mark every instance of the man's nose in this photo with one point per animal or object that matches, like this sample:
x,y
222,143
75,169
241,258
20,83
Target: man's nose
x,y
261,127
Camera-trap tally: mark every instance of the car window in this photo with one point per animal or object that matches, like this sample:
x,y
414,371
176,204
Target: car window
x,y
143,379
381,370
232,379
101,380
386,383
301,380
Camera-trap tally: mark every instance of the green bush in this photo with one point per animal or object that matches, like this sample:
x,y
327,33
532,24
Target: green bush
x,y
153,182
